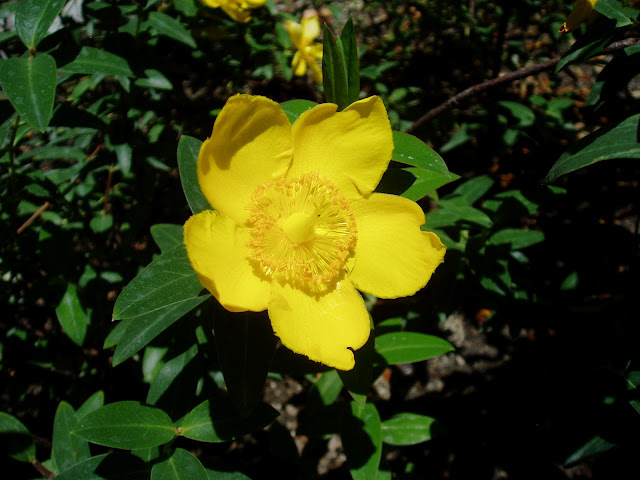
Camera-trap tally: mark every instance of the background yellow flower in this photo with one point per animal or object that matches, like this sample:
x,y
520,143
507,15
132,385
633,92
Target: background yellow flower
x,y
308,52
236,9
582,10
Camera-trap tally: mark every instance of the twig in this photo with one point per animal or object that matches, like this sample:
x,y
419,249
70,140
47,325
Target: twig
x,y
510,77
33,217
107,190
42,470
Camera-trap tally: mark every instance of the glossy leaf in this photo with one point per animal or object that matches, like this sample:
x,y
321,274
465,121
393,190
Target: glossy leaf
x,y
126,425
30,85
516,238
410,347
608,143
91,404
107,467
95,61
181,465
170,27
166,281
407,429
425,182
68,450
168,374
613,9
188,149
167,235
72,316
294,108
413,151
334,74
350,51
362,441
33,19
144,328
15,439
217,420
245,343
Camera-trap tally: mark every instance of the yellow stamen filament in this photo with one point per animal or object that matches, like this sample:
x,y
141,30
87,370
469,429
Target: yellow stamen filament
x,y
302,231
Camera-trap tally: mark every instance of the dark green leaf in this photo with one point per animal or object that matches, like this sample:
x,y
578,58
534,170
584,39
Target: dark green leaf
x,y
413,151
181,465
350,50
409,347
167,235
108,467
358,380
91,404
217,420
144,328
101,222
600,35
116,334
15,439
613,9
155,79
472,190
33,19
618,141
188,149
593,447
167,280
334,74
170,27
30,85
516,238
407,429
294,108
362,441
245,343
72,316
91,61
325,390
68,450
425,182
168,375
126,425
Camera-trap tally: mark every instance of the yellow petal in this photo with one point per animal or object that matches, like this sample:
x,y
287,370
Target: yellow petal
x,y
316,71
212,3
324,328
310,28
295,33
250,145
393,257
218,252
253,3
238,14
351,148
299,64
579,13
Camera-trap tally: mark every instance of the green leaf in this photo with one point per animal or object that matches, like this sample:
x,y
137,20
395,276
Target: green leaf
x,y
155,79
188,149
107,467
294,108
101,222
407,429
358,380
15,439
613,9
472,190
170,27
72,316
181,465
33,19
350,50
593,447
92,61
425,182
167,280
116,334
516,238
91,404
608,143
144,328
217,420
334,74
168,374
600,35
245,343
126,425
68,450
325,390
413,151
362,441
30,85
410,347
167,235
522,113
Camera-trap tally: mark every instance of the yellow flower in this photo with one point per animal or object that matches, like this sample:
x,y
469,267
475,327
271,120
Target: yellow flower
x,y
236,9
303,35
297,228
582,10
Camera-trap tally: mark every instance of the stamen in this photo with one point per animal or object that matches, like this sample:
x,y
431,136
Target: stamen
x,y
302,231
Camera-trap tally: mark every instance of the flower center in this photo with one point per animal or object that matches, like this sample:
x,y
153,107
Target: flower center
x,y
302,231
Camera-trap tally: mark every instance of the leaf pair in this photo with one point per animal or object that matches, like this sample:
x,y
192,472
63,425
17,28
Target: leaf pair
x,y
340,70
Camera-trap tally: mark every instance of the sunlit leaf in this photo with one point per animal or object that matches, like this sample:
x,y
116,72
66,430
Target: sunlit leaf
x,y
362,440
72,316
407,429
188,149
409,347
